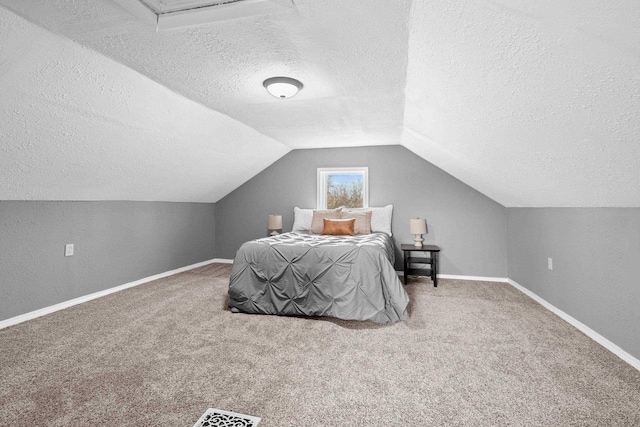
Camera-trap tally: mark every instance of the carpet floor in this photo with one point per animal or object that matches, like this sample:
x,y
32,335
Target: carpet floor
x,y
160,354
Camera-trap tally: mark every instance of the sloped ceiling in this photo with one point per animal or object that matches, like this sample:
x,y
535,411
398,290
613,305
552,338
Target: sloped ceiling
x,y
531,103
76,125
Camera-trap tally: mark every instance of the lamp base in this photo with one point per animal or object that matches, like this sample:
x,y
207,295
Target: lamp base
x,y
417,241
274,233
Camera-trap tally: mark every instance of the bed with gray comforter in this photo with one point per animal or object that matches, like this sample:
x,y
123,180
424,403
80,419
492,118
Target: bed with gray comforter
x,y
347,277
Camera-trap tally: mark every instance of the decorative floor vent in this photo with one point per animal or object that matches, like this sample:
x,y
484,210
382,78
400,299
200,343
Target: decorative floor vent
x,y
219,418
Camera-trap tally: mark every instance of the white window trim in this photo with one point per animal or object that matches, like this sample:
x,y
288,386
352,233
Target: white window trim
x,y
323,174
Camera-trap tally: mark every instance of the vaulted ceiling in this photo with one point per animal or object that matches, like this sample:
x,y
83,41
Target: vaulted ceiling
x,y
531,103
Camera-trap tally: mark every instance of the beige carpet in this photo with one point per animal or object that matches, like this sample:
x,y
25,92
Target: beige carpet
x,y
160,354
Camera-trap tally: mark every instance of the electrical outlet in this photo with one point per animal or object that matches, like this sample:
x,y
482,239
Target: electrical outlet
x,y
549,263
68,249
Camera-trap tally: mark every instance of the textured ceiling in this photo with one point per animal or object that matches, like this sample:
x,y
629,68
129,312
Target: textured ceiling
x,y
351,56
531,103
79,126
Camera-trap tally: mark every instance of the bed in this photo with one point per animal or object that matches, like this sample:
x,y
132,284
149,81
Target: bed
x,y
301,274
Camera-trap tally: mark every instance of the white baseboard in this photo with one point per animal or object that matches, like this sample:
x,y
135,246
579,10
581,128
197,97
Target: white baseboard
x,y
53,308
564,316
571,320
613,348
476,278
457,277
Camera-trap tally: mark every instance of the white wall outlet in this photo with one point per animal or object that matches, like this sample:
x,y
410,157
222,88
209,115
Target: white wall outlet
x,y
68,249
549,263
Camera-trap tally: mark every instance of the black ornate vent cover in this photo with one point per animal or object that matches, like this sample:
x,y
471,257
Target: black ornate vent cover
x,y
219,418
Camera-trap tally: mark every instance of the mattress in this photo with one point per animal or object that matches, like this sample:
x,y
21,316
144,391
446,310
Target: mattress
x,y
347,277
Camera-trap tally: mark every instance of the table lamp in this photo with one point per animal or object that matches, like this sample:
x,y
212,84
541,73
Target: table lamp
x,y
275,224
418,227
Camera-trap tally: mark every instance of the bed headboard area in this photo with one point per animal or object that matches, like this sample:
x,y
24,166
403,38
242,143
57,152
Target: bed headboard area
x,y
371,220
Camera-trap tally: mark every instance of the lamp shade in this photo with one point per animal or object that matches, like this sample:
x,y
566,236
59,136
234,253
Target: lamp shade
x,y
418,226
275,222
282,87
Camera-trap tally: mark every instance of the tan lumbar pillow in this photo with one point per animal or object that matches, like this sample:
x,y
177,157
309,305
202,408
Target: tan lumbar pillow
x,y
318,215
338,227
380,217
363,221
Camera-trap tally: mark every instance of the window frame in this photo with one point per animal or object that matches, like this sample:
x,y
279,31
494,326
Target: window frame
x,y
323,175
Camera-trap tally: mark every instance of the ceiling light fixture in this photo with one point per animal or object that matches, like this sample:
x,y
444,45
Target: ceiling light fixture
x,y
282,87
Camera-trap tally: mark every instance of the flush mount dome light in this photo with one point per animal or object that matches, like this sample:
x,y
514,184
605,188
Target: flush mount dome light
x,y
282,87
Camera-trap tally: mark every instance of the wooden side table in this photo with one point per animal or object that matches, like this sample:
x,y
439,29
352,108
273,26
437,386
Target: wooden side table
x,y
431,262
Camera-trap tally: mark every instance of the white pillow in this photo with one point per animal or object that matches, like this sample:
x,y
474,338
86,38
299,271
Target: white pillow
x,y
302,220
380,217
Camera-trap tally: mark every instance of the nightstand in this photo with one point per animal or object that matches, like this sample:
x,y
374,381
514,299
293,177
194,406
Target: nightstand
x,y
421,266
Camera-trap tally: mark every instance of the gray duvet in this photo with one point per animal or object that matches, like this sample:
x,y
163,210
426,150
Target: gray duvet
x,y
348,277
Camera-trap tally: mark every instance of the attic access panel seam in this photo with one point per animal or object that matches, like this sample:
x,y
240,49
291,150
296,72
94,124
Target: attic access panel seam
x,y
165,14
169,6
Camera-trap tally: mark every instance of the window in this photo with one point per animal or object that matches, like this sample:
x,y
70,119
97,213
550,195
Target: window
x,y
348,187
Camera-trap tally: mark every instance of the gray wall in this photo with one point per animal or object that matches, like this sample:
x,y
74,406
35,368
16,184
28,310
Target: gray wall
x,y
469,227
115,243
596,265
